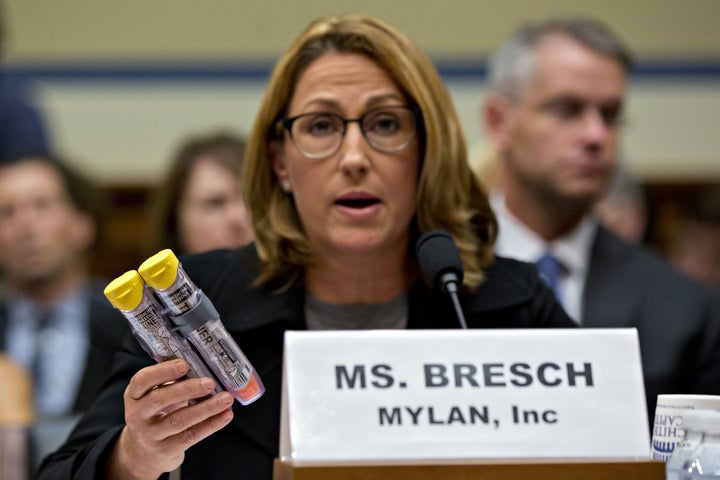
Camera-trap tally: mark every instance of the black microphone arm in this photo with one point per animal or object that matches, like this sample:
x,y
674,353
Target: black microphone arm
x,y
441,265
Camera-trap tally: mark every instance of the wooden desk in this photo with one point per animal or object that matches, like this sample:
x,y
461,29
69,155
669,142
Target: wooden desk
x,y
521,470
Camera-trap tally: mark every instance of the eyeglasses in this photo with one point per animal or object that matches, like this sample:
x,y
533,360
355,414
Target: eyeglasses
x,y
318,135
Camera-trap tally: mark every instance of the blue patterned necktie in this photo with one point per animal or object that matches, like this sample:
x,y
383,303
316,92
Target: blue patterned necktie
x,y
551,270
43,322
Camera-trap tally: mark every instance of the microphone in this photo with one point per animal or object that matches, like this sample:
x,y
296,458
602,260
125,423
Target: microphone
x,y
441,265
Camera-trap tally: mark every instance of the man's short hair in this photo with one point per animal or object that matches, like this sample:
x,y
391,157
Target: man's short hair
x,y
511,67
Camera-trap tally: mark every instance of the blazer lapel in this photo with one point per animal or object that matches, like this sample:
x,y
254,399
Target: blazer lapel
x,y
607,300
263,345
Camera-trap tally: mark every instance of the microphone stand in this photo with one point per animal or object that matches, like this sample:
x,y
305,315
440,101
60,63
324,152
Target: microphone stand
x,y
449,286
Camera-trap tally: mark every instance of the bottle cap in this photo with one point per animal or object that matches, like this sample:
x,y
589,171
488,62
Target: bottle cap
x,y
126,291
252,391
707,421
160,270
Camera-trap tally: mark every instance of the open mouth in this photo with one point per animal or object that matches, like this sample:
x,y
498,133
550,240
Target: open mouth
x,y
356,202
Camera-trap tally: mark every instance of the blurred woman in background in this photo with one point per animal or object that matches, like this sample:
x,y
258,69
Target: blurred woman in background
x,y
199,206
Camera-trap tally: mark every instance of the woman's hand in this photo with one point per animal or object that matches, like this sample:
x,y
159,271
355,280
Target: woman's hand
x,y
160,424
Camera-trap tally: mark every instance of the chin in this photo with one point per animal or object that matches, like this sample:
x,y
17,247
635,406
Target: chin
x,y
356,241
356,247
587,191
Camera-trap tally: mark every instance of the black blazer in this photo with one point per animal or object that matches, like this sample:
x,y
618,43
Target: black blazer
x,y
107,329
257,317
678,320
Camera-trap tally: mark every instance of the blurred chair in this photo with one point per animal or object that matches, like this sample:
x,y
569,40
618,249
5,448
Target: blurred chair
x,y
16,415
695,249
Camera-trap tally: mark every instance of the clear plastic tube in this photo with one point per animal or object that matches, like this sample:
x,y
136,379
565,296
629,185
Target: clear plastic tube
x,y
129,294
194,315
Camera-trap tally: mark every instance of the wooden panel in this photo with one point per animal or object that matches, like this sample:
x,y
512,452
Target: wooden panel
x,y
672,203
122,245
573,470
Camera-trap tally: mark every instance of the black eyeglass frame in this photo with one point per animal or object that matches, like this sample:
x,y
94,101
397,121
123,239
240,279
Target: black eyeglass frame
x,y
287,123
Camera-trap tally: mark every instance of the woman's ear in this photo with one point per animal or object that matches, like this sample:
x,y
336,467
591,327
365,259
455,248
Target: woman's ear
x,y
277,159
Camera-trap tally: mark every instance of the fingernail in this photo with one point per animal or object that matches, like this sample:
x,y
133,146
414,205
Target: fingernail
x,y
227,416
179,364
226,399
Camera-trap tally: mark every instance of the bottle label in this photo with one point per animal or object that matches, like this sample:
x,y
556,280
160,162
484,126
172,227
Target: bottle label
x,y
148,318
235,372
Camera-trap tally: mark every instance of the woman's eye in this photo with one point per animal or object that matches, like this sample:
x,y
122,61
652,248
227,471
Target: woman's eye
x,y
385,125
321,126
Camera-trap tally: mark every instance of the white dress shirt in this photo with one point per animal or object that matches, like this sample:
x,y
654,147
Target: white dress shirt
x,y
516,240
61,348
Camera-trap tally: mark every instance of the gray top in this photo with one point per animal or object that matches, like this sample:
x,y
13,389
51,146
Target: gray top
x,y
321,315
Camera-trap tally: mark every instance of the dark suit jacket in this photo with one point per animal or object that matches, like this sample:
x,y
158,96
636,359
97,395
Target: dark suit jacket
x,y
107,328
678,320
257,317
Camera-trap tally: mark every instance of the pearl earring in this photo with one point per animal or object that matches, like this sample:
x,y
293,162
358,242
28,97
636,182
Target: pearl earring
x,y
285,185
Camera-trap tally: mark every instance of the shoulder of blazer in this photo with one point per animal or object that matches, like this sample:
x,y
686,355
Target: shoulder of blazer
x,y
227,277
619,263
619,257
508,282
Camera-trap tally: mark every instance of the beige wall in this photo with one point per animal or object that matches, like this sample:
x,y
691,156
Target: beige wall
x,y
123,131
62,29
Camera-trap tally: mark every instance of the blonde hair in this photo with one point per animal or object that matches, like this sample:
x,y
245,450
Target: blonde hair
x,y
449,196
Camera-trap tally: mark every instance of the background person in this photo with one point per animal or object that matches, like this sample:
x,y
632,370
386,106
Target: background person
x,y
695,247
54,319
22,127
554,115
623,209
199,205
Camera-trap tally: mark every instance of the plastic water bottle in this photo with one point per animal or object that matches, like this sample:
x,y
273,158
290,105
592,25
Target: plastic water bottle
x,y
704,462
692,422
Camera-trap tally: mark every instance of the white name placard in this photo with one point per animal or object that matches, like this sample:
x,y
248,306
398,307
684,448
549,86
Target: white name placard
x,y
432,395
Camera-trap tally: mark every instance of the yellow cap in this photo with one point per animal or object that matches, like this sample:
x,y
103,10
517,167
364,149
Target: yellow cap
x,y
126,291
160,270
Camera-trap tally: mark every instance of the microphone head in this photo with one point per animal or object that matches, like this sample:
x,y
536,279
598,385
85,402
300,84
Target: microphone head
x,y
438,255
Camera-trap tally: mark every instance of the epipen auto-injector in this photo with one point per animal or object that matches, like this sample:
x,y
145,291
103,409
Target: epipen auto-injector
x,y
194,316
129,294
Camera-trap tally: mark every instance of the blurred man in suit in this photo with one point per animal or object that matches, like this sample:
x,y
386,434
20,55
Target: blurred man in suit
x,y
554,115
54,319
22,127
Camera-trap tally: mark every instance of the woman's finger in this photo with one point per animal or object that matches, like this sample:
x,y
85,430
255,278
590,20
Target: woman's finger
x,y
150,377
163,400
189,418
199,431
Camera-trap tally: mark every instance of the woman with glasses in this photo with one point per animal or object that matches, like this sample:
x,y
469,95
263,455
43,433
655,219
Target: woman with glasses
x,y
356,151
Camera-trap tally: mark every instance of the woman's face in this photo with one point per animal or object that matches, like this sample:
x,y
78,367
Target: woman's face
x,y
211,213
358,200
